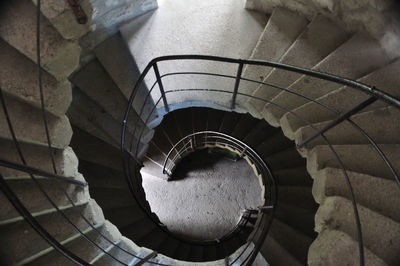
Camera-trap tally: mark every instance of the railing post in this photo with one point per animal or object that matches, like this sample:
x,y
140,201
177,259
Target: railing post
x,y
160,85
237,82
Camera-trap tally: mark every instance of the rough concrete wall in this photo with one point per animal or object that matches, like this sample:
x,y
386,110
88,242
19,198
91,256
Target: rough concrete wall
x,y
380,18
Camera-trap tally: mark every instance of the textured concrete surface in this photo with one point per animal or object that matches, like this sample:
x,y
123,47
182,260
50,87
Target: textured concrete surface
x,y
206,199
221,28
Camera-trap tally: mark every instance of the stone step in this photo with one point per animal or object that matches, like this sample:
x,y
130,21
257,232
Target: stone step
x,y
18,77
124,72
170,246
94,81
184,120
100,176
343,99
333,247
214,119
35,201
121,251
384,200
283,28
229,122
299,218
288,158
28,125
380,234
61,16
131,231
357,57
297,196
276,254
18,28
53,222
182,252
319,39
382,126
274,143
358,158
244,125
94,150
258,133
81,247
105,197
36,156
124,215
293,177
295,242
199,119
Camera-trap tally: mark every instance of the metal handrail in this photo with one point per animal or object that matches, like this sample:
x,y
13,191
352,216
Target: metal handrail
x,y
375,94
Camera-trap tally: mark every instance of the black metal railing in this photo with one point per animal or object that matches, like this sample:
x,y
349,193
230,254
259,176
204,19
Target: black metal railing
x,y
163,105
131,136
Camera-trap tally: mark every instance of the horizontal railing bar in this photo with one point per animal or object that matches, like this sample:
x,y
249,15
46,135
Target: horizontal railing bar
x,y
35,171
325,76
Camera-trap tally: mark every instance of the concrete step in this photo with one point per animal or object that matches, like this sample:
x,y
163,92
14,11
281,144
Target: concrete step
x,y
210,253
61,16
94,81
229,122
214,119
154,239
89,116
257,134
131,231
34,200
152,168
120,251
100,176
18,77
299,218
170,246
357,57
244,125
124,215
380,234
288,158
28,125
94,150
35,155
295,242
170,128
384,200
343,99
293,177
276,254
18,28
297,196
155,154
53,222
199,119
161,140
333,247
196,253
283,28
184,120
274,143
319,39
182,252
358,158
124,72
105,197
382,125
80,246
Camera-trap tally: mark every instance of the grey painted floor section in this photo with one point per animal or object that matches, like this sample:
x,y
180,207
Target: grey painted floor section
x,y
207,199
211,27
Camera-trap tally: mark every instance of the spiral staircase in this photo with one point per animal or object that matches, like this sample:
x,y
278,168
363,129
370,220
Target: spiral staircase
x,y
311,136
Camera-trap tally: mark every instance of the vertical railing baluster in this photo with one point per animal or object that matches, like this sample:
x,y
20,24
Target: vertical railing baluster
x,y
160,85
237,82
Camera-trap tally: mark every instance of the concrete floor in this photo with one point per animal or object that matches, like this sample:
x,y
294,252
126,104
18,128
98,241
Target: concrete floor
x,y
206,199
210,27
